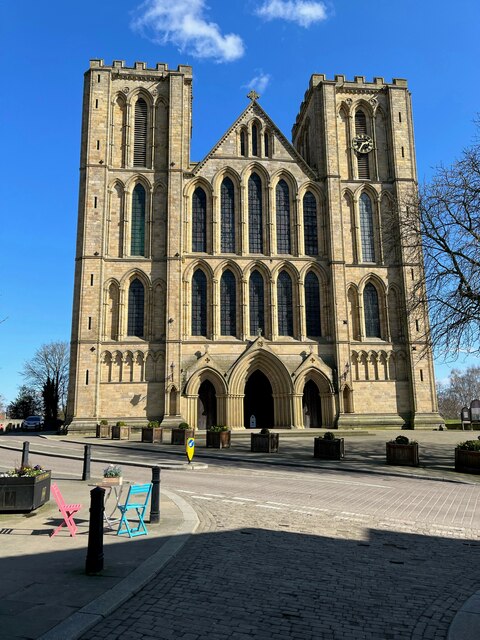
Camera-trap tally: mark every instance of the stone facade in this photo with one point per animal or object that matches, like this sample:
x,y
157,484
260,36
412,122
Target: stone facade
x,y
258,287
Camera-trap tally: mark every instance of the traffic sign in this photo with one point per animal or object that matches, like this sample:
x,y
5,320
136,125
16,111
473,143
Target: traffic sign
x,y
190,449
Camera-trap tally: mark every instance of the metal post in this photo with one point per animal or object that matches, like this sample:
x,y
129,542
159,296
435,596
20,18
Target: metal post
x,y
155,500
26,446
86,462
94,561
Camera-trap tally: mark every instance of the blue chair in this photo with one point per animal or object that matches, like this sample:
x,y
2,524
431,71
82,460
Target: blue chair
x,y
137,500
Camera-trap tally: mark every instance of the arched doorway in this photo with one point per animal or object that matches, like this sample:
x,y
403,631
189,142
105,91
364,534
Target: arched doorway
x,y
207,405
258,401
311,406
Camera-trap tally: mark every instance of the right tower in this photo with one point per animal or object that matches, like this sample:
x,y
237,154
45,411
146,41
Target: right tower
x,y
358,137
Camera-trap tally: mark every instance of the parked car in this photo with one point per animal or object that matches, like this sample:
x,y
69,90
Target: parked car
x,y
33,423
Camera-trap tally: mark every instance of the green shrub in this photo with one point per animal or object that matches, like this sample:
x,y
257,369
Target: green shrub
x,y
120,423
329,436
217,428
265,431
183,425
402,440
469,445
153,424
104,422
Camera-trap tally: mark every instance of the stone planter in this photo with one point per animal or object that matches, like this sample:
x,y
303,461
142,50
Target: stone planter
x,y
402,454
329,449
219,439
104,431
120,433
180,436
152,434
264,443
24,494
467,461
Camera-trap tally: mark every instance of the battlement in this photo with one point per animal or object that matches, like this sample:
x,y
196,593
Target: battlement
x,y
358,84
319,78
160,68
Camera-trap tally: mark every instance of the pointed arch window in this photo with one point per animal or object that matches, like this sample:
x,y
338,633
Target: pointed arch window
x,y
372,311
310,228
199,303
366,229
228,304
243,143
285,305
362,158
255,214
257,303
137,239
266,144
227,204
254,140
199,220
312,305
136,309
282,200
140,134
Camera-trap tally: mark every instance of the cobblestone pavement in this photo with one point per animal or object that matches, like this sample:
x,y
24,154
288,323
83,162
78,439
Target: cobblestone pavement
x,y
286,554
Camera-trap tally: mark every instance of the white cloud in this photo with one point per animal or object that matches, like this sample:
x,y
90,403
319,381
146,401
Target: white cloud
x,y
182,23
259,82
303,12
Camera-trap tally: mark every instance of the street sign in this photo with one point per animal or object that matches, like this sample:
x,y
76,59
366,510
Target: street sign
x,y
190,449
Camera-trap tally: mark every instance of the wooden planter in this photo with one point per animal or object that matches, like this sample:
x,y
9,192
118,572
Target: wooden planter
x,y
264,443
112,481
219,439
467,461
104,431
24,494
120,433
152,434
329,449
180,436
402,454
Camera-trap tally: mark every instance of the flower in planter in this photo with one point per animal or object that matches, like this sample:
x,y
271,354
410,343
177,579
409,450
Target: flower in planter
x,y
218,428
402,440
112,471
469,445
328,435
23,472
153,424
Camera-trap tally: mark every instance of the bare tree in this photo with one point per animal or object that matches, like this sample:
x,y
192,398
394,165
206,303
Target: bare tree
x,y
47,372
462,388
443,219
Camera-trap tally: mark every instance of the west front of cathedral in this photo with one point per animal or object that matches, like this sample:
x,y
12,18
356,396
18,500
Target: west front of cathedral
x,y
264,286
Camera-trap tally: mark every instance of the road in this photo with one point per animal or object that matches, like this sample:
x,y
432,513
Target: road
x,y
310,554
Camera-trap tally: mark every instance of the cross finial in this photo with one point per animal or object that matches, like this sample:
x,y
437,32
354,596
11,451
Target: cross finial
x,y
259,332
253,95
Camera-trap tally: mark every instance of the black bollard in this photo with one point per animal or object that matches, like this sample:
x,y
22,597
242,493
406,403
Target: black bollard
x,y
86,462
155,503
94,561
26,446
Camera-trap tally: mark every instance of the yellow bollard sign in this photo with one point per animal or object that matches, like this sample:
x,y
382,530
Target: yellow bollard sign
x,y
190,449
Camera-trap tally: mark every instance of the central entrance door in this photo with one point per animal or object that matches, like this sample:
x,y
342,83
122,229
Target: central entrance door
x,y
207,405
312,408
258,402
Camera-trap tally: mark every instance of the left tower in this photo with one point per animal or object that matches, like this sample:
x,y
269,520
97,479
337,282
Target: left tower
x,y
135,147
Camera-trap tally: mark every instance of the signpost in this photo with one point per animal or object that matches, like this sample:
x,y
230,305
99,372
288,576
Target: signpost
x,y
190,449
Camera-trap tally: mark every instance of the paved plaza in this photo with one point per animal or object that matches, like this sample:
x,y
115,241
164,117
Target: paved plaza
x,y
289,547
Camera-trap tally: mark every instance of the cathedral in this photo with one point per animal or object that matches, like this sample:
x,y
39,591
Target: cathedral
x,y
260,287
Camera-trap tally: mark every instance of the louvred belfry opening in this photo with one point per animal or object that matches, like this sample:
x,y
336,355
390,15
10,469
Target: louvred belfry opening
x,y
140,141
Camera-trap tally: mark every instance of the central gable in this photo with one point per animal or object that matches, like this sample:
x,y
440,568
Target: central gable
x,y
253,137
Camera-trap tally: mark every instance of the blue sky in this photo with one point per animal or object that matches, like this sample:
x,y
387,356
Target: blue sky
x,y
273,44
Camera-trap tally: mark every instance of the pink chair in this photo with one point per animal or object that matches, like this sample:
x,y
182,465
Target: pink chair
x,y
67,511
